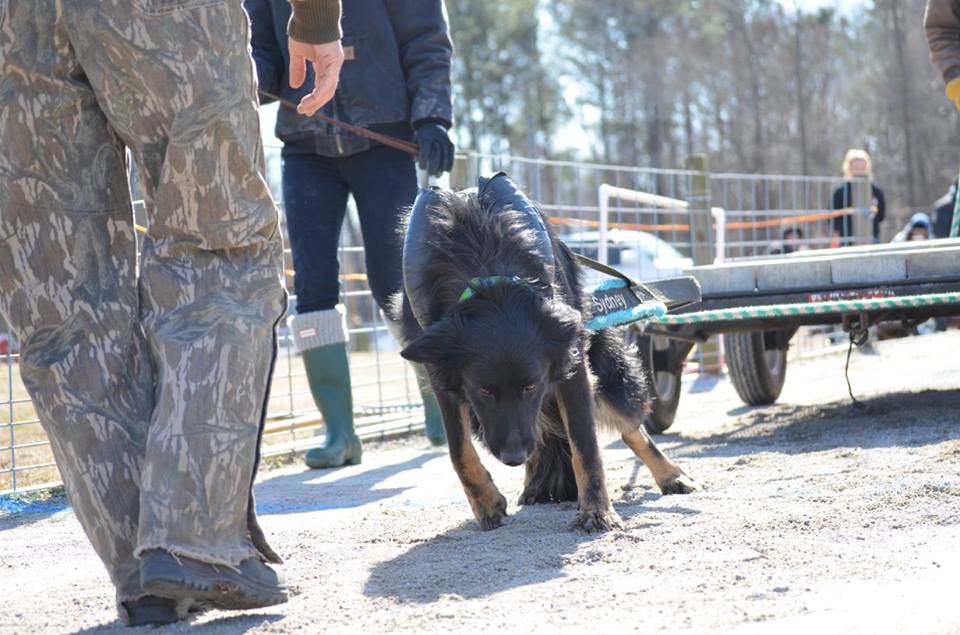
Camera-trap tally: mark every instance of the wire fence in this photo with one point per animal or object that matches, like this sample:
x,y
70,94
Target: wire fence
x,y
650,223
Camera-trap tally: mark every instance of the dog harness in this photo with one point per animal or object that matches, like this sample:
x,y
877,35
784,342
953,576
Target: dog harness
x,y
486,282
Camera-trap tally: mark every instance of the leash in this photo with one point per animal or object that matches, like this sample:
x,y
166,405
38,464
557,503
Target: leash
x,y
602,268
387,140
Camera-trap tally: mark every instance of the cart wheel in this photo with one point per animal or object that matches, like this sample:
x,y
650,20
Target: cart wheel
x,y
659,359
758,365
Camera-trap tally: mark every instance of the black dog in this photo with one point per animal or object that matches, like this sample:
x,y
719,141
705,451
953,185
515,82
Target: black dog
x,y
492,307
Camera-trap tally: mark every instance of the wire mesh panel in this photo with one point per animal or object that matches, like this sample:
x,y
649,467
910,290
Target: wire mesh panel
x,y
768,214
649,223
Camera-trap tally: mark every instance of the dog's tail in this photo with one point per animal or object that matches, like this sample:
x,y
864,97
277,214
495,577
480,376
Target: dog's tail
x,y
620,390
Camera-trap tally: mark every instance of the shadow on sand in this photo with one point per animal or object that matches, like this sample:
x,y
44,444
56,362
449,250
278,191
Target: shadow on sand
x,y
296,493
486,561
902,419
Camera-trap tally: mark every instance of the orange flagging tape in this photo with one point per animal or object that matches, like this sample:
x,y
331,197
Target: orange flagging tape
x,y
790,220
556,220
756,224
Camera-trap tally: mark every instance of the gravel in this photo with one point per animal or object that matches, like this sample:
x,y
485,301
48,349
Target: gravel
x,y
813,515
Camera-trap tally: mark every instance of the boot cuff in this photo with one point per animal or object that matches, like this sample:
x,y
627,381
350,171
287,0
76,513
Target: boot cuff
x,y
319,328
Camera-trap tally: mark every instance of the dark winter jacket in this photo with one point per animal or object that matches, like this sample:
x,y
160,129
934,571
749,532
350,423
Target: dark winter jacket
x,y
396,72
943,213
843,198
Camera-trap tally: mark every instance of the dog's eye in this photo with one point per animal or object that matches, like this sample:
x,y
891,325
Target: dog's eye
x,y
486,392
529,388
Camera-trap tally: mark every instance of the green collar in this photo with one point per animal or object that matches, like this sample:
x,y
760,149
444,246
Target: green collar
x,y
489,281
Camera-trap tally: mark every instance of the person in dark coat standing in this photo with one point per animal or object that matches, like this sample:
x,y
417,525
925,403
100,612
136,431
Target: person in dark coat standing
x,y
395,80
943,212
856,164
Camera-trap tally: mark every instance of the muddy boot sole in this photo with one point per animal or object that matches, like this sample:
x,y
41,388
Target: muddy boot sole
x,y
151,610
254,586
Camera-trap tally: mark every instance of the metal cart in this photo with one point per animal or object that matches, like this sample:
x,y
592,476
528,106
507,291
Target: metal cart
x,y
757,305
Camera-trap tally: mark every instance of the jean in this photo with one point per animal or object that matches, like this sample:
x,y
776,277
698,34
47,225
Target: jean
x,y
383,182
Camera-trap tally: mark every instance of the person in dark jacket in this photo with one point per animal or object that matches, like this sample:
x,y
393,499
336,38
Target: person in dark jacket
x,y
856,164
395,80
943,212
790,241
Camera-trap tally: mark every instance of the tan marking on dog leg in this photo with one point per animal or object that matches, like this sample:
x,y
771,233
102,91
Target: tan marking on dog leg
x,y
669,477
488,504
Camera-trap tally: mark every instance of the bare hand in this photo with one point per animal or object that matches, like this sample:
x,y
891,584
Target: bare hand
x,y
326,60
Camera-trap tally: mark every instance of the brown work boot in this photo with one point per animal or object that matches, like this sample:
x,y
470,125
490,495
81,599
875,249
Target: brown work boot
x,y
250,585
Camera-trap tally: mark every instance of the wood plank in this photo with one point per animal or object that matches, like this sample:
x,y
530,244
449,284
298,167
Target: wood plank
x,y
881,264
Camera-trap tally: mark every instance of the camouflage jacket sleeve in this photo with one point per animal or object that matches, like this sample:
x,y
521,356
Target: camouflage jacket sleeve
x,y
942,25
315,21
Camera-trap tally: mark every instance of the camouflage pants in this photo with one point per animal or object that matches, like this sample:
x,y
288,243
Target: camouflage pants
x,y
150,377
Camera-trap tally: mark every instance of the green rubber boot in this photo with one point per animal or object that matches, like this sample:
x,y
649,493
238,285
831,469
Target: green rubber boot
x,y
329,375
321,338
431,410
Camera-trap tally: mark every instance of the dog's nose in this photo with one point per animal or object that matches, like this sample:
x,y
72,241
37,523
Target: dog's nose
x,y
513,457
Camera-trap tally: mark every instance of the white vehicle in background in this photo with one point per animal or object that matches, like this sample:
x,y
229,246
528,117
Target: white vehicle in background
x,y
639,255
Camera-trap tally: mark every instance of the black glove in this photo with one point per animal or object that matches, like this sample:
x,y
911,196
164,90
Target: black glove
x,y
436,149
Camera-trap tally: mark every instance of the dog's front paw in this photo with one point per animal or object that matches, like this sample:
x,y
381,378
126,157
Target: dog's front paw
x,y
490,511
597,521
679,484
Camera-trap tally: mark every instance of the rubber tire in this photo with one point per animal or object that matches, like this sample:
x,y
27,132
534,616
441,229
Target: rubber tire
x,y
755,381
663,407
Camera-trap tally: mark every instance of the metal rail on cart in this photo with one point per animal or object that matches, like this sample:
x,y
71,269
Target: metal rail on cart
x,y
757,304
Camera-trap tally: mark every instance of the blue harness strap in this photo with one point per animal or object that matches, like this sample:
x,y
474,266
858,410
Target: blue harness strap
x,y
614,303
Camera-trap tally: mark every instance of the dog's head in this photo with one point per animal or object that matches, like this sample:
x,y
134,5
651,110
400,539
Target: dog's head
x,y
503,355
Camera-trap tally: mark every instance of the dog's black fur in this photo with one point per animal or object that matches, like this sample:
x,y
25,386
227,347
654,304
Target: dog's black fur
x,y
518,356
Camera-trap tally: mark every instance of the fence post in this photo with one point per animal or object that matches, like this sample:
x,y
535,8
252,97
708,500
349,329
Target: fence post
x,y
604,227
699,210
702,246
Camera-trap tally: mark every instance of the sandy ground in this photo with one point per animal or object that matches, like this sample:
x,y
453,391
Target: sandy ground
x,y
813,517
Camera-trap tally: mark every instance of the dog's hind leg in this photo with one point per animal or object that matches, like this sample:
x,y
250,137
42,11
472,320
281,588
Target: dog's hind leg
x,y
549,470
576,408
488,504
621,405
669,477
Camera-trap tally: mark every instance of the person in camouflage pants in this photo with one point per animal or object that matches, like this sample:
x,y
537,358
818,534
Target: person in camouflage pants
x,y
150,376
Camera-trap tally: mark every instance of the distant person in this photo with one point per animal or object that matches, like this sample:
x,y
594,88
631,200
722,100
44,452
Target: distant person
x,y
856,164
395,80
943,212
790,241
918,228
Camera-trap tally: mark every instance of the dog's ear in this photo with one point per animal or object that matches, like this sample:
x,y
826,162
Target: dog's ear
x,y
559,326
441,345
